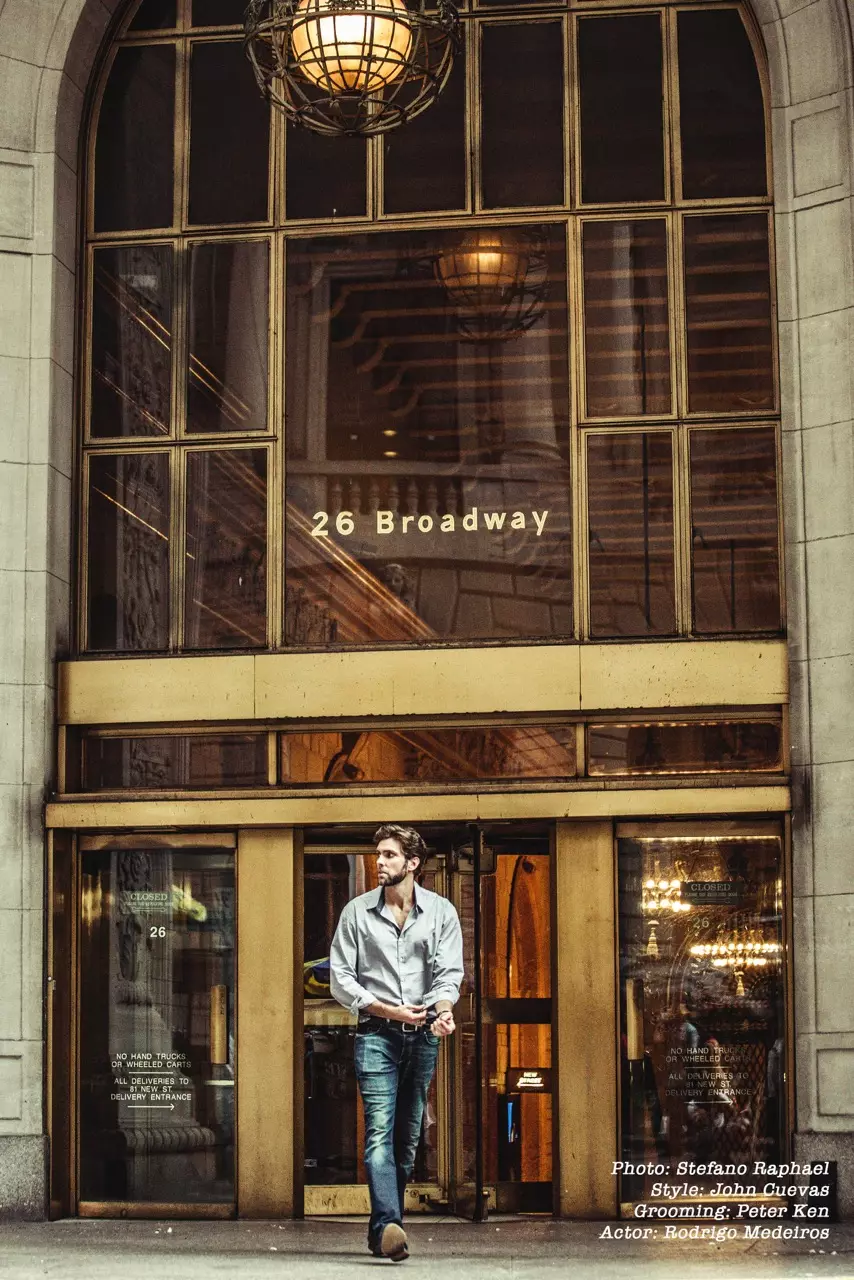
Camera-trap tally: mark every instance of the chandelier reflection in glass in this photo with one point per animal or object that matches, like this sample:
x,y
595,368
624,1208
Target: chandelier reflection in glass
x,y
352,67
497,282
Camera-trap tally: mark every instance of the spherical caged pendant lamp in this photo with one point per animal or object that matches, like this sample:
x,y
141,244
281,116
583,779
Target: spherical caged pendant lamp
x,y
496,279
352,67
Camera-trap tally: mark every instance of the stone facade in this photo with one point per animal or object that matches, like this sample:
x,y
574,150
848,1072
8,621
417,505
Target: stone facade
x,y
47,51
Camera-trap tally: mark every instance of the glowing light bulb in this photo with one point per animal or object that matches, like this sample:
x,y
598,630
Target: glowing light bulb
x,y
357,49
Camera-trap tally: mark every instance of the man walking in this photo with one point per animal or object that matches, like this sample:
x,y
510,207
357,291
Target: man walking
x,y
397,962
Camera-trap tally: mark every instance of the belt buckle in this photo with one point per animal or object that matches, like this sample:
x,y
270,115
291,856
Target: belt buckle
x,y
409,1026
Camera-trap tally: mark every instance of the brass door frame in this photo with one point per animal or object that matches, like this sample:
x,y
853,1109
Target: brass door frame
x,y
586,1045
777,826
73,1205
269,874
488,1197
322,1199
325,1199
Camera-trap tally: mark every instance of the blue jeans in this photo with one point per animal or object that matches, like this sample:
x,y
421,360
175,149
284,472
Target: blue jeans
x,y
394,1070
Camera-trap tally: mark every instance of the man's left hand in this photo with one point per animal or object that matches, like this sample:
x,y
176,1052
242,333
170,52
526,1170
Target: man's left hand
x,y
444,1024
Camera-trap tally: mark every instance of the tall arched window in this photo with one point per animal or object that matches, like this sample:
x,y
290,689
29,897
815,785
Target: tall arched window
x,y
507,373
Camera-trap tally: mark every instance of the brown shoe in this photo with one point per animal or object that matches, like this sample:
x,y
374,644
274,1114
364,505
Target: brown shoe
x,y
393,1243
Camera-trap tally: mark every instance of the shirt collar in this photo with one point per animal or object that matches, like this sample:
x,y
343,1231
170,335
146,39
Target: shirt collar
x,y
379,902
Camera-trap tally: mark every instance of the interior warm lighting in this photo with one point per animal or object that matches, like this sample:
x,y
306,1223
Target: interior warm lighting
x,y
357,47
484,269
496,280
353,67
390,453
660,894
389,431
738,955
718,949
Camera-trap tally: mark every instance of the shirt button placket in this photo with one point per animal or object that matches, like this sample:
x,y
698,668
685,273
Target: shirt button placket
x,y
399,974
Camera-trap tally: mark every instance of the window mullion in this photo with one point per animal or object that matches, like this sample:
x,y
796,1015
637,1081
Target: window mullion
x,y
177,536
474,147
673,150
682,528
575,346
569,134
678,323
276,466
182,129
180,386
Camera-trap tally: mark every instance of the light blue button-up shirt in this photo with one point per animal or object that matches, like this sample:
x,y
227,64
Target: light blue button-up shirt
x,y
372,959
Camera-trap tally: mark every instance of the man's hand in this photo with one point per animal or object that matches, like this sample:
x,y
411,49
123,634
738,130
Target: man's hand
x,y
414,1013
444,1024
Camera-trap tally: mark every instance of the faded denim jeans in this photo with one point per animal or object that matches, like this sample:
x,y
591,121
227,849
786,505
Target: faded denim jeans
x,y
394,1070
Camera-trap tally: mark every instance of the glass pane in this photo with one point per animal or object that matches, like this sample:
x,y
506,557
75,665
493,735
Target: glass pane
x,y
156,964
734,530
132,341
155,15
626,327
134,164
202,760
429,755
229,336
702,1006
428,482
225,593
622,131
334,1123
714,746
728,305
517,1050
326,177
218,13
127,556
229,135
515,1086
522,114
425,162
630,527
721,113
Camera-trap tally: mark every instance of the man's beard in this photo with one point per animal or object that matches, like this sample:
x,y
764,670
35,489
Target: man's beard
x,y
392,879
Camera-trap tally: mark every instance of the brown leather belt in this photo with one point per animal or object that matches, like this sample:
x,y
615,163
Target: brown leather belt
x,y
375,1023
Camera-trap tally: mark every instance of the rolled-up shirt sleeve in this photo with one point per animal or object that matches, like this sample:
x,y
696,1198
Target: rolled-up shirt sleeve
x,y
343,965
448,970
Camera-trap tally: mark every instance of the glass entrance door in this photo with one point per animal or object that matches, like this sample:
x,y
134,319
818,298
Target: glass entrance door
x,y
157,1033
487,1136
501,1056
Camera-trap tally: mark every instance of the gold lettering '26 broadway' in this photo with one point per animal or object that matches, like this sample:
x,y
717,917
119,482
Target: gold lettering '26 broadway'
x,y
473,521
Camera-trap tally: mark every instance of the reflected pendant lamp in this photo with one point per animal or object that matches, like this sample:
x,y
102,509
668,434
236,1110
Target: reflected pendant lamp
x,y
496,282
351,67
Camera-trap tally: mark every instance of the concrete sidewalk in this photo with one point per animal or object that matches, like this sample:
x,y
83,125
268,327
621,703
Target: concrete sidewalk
x,y
442,1248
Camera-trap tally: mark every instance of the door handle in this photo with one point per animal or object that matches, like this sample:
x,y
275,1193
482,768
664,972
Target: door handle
x,y
219,1025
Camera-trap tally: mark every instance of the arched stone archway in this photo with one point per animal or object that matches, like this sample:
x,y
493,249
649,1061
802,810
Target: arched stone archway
x,y
47,52
810,63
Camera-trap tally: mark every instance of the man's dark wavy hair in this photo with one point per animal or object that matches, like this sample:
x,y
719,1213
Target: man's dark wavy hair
x,y
408,838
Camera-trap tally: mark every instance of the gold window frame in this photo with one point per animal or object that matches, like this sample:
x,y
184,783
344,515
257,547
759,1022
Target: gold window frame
x,y
278,230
